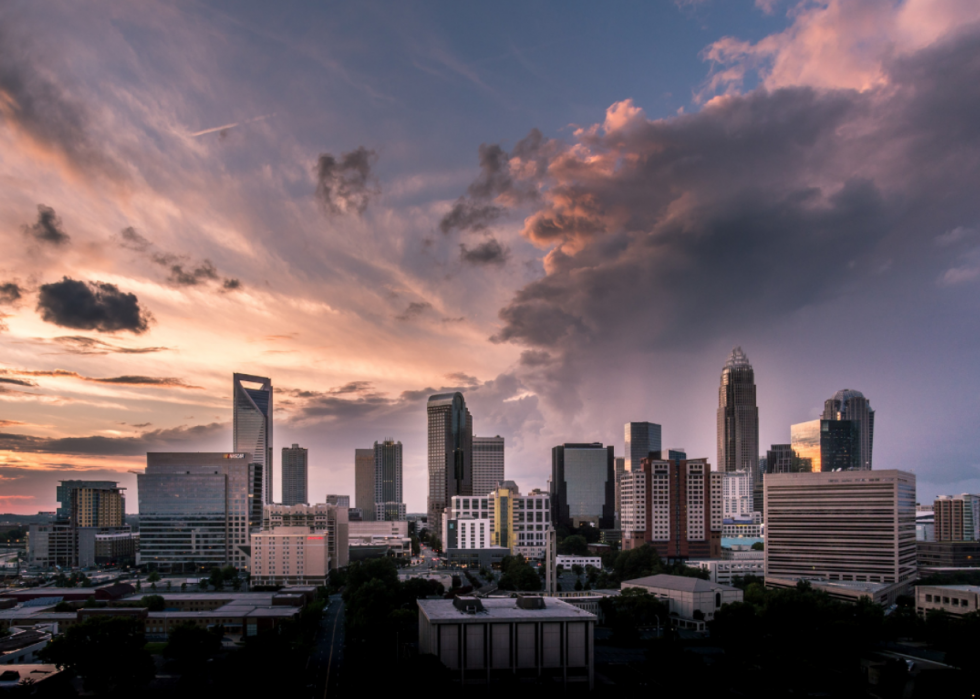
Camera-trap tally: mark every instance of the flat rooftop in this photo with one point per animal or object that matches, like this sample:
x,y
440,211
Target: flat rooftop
x,y
957,588
502,609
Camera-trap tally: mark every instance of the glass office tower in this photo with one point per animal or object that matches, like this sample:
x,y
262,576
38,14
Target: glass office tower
x,y
388,505
805,442
196,509
252,423
450,453
583,485
851,406
295,475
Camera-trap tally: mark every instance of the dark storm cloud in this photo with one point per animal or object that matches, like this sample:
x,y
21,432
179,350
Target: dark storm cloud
x,y
17,382
757,206
535,358
489,252
42,110
346,185
414,310
91,306
155,440
48,228
495,188
10,293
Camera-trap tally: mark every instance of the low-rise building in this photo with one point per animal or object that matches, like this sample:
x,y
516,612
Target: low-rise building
x,y
483,638
22,644
947,554
291,556
567,562
955,600
692,601
884,594
724,572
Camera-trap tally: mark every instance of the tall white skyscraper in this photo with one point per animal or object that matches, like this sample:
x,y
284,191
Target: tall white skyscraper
x,y
488,464
388,504
252,424
295,475
641,439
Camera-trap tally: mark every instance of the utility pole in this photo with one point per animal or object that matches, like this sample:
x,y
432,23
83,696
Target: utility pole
x,y
550,583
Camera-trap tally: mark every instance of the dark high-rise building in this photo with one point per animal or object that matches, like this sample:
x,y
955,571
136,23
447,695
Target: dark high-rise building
x,y
295,475
642,438
388,505
848,405
782,459
252,424
583,485
450,453
840,448
488,464
738,417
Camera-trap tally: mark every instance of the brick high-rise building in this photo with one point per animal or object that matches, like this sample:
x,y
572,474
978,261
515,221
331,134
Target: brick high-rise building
x,y
675,506
957,517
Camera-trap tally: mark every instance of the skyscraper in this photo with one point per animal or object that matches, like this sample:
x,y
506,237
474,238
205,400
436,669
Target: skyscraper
x,y
738,417
450,453
252,424
826,445
583,485
364,483
488,464
851,406
388,505
197,509
295,475
641,439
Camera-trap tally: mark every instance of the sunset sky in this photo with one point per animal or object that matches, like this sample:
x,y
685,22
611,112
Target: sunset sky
x,y
569,211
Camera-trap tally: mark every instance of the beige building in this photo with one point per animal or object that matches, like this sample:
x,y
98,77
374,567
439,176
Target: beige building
x,y
849,526
331,520
956,600
693,600
290,556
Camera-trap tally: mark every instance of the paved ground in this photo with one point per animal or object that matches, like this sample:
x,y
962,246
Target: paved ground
x,y
327,658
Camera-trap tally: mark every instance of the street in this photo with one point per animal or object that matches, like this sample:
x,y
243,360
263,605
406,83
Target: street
x,y
328,651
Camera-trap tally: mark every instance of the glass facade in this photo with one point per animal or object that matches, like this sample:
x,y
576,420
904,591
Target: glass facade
x,y
583,485
641,439
450,453
196,510
840,446
388,504
252,424
805,441
295,473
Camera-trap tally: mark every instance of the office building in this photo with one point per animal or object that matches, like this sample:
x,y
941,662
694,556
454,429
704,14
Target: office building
x,y
737,495
290,556
252,424
364,483
849,526
738,417
472,522
925,523
488,463
295,475
675,506
954,600
726,571
481,639
338,500
957,518
388,505
321,518
825,445
450,457
642,438
851,406
619,468
946,556
197,509
88,510
583,487
782,459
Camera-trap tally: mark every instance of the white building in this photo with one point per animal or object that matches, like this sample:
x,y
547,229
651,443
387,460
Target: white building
x,y
737,494
693,600
528,521
290,556
955,600
530,636
567,562
331,520
723,572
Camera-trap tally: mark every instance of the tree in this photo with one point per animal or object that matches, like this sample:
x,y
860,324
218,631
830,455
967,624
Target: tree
x,y
189,644
169,585
574,546
107,652
217,578
577,570
758,546
153,603
153,577
183,587
517,574
416,545
631,610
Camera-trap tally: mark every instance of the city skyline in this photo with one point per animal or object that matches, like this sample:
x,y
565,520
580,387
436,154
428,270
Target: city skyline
x,y
371,208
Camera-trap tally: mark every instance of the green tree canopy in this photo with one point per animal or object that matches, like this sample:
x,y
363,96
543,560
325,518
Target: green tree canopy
x,y
153,603
190,645
107,652
575,545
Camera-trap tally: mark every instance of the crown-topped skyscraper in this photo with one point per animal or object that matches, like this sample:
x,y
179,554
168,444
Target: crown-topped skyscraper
x,y
738,417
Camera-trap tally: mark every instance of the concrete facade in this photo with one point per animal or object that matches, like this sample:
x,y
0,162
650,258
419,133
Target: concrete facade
x,y
290,556
688,597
